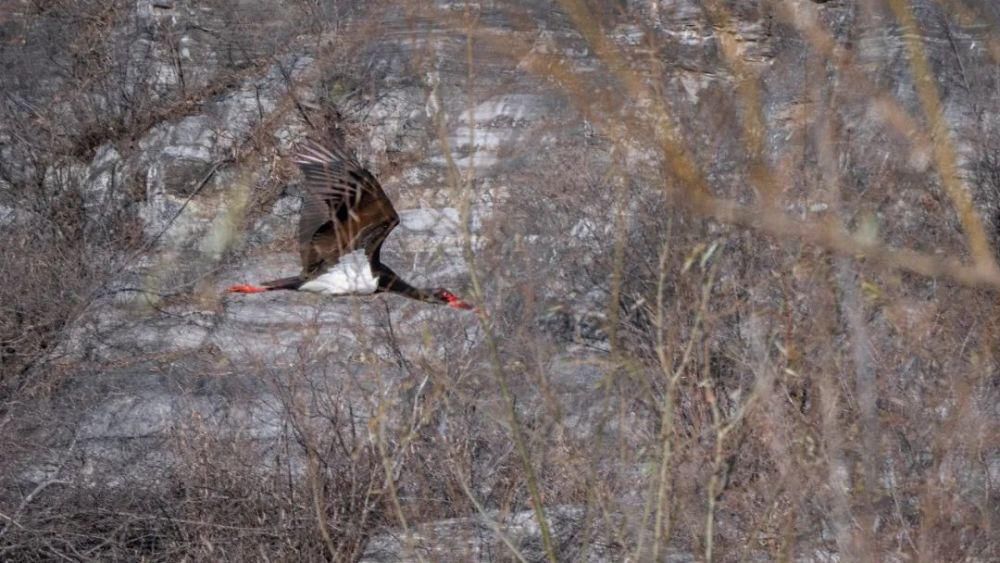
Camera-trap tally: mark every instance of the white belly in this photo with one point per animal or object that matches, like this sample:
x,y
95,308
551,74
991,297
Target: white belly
x,y
352,275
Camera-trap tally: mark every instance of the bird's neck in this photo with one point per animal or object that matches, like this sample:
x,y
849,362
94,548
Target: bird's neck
x,y
391,282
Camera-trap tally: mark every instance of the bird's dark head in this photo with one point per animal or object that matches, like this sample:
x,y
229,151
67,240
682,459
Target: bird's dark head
x,y
445,297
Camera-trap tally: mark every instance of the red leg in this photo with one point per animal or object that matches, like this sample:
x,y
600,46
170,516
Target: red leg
x,y
246,288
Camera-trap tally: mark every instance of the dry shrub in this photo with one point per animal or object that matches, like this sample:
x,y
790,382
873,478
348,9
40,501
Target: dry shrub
x,y
772,392
60,250
667,347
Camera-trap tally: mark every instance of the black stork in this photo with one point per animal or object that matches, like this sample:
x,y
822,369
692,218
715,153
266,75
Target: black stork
x,y
345,218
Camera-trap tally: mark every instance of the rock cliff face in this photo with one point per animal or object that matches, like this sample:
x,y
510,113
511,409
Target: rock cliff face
x,y
523,144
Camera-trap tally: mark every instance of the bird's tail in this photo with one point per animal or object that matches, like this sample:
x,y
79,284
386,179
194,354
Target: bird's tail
x,y
292,283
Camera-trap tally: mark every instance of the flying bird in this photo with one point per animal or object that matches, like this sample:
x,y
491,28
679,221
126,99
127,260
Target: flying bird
x,y
345,218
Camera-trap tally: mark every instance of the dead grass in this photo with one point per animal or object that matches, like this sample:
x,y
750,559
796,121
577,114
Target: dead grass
x,y
777,355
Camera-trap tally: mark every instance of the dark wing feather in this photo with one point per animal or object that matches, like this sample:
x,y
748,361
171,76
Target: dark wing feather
x,y
343,208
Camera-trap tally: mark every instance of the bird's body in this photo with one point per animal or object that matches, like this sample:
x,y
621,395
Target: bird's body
x,y
345,218
351,275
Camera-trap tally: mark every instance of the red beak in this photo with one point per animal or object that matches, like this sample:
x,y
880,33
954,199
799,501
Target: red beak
x,y
455,303
459,304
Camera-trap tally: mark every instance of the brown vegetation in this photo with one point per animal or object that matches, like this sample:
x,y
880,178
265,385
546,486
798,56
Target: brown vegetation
x,y
721,347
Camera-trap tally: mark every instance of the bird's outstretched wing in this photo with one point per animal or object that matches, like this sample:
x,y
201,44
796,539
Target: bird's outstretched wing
x,y
343,208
